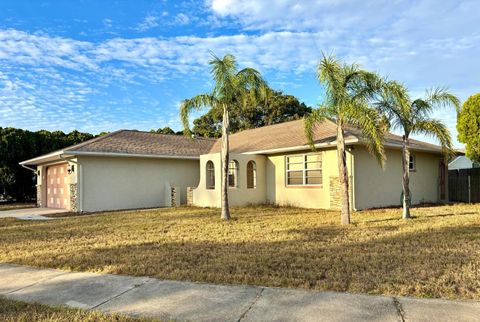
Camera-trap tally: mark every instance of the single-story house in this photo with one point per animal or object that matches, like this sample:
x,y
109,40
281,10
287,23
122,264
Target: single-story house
x,y
272,164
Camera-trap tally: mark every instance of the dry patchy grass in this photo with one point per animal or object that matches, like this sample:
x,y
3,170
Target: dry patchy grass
x,y
436,254
17,205
15,311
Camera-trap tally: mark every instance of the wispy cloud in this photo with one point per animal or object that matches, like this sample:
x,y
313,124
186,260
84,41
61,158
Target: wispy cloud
x,y
182,19
149,22
422,44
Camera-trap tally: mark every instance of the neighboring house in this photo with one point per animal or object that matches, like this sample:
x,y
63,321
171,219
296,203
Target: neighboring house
x,y
273,164
462,162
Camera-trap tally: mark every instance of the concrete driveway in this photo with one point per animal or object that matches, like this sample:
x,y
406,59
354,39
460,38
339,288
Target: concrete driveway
x,y
30,213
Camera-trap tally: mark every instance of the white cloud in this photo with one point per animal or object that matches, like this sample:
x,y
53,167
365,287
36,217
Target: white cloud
x,y
107,22
182,19
148,22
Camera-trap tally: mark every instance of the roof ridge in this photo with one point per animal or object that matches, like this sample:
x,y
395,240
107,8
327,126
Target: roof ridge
x,y
171,135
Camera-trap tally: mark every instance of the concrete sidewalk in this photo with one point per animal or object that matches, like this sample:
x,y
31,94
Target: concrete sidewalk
x,y
172,300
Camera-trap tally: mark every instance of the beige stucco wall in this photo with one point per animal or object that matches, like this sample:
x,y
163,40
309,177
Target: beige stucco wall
x,y
127,183
238,196
307,197
375,187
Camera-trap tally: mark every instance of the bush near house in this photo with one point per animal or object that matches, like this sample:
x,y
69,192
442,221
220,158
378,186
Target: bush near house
x,y
433,255
468,127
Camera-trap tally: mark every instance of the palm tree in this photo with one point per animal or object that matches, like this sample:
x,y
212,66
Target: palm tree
x,y
413,117
232,89
349,90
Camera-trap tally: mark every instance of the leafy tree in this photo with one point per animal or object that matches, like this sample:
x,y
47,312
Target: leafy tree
x,y
18,145
468,127
349,90
166,130
413,117
277,109
233,90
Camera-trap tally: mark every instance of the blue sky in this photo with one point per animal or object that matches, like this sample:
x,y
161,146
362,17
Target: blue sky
x,y
104,65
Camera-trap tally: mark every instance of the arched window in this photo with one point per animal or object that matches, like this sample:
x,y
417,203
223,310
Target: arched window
x,y
210,175
233,174
251,175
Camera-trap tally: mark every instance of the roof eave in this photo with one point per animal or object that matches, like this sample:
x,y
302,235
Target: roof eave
x,y
132,155
53,156
300,147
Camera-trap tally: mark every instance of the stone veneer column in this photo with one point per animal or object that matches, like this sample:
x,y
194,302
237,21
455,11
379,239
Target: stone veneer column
x,y
189,196
74,197
39,196
336,193
174,196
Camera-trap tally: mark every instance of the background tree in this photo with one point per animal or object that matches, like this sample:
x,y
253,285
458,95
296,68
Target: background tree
x,y
166,130
18,145
277,109
348,92
413,117
233,90
468,127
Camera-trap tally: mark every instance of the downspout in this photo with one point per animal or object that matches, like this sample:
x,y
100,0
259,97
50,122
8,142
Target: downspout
x,y
31,169
352,176
79,181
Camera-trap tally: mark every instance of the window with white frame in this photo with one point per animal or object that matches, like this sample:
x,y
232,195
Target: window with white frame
x,y
251,175
210,175
412,163
233,174
304,170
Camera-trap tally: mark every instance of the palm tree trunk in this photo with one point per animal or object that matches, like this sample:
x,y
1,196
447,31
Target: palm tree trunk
x,y
406,178
225,159
343,175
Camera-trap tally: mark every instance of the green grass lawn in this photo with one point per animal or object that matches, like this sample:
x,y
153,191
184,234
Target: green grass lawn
x,y
15,311
436,254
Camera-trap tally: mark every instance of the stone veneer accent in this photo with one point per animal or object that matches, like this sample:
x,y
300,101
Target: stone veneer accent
x,y
173,192
189,196
74,197
336,193
39,196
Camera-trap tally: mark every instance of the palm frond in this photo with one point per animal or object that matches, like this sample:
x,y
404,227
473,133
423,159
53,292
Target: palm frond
x,y
372,126
394,102
313,119
441,97
224,74
330,73
251,83
437,130
195,103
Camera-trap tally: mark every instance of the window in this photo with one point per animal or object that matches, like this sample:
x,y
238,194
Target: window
x,y
251,175
210,175
304,170
233,174
412,164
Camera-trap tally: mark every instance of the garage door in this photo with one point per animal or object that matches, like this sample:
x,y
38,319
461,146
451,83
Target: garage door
x,y
58,195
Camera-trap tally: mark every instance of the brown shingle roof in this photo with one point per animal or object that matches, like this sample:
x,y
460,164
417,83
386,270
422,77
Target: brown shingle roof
x,y
292,134
145,143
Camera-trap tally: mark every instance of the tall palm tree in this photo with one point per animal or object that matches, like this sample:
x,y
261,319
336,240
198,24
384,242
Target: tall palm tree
x,y
233,89
349,90
413,117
